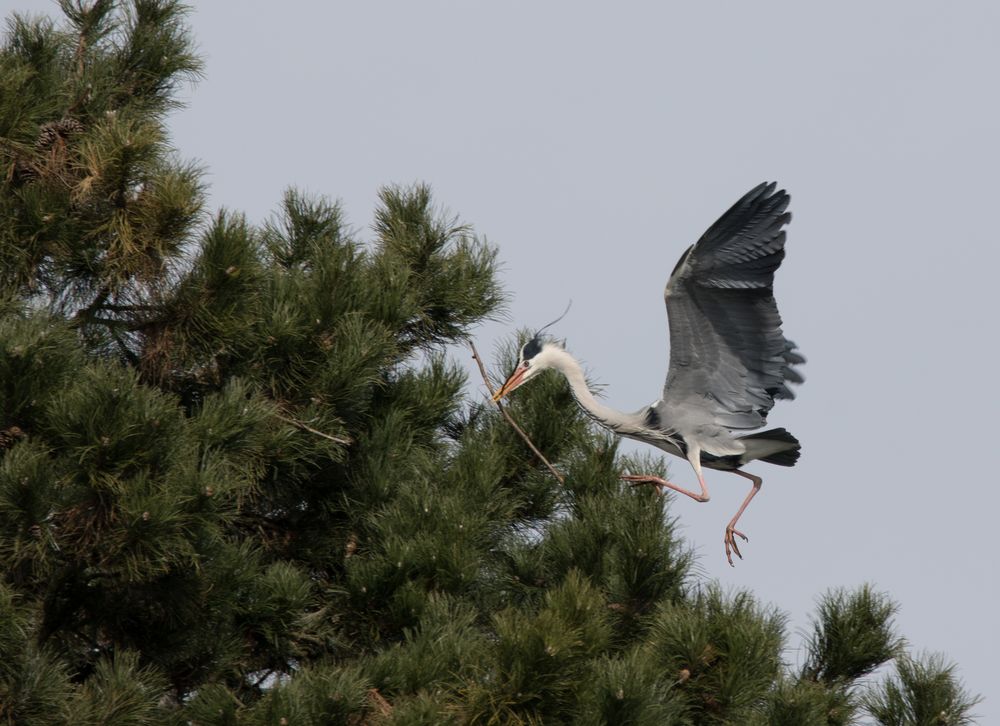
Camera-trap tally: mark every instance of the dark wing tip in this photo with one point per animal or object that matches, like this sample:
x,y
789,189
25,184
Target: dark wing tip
x,y
760,204
744,247
763,191
789,374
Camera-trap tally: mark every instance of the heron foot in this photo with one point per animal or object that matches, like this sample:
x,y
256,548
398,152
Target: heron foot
x,y
730,542
662,485
636,480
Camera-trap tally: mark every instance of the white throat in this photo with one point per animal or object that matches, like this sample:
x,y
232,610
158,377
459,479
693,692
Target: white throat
x,y
618,421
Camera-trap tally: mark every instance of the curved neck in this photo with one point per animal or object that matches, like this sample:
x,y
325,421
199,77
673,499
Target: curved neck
x,y
611,418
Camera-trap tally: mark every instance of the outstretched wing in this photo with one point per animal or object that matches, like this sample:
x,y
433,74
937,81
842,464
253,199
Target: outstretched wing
x,y
729,360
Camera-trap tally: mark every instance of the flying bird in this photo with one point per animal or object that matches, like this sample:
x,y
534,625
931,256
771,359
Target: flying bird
x,y
729,360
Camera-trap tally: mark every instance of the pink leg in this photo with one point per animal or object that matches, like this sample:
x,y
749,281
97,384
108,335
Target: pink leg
x,y
730,539
661,484
694,458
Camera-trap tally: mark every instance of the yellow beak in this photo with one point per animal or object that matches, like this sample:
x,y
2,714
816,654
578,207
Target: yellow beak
x,y
515,380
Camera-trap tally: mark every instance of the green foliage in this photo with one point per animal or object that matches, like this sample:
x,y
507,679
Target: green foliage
x,y
922,692
852,635
445,643
33,683
120,691
315,696
629,689
96,209
724,652
244,481
38,354
804,702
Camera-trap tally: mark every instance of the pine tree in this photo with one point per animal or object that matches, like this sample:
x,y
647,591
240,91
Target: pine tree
x,y
244,481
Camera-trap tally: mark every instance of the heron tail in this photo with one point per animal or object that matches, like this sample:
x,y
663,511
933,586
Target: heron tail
x,y
775,446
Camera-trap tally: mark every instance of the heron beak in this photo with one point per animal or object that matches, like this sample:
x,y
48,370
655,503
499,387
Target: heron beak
x,y
515,380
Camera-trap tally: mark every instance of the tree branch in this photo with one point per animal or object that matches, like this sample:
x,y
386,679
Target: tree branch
x,y
305,427
84,315
511,421
126,308
130,325
123,347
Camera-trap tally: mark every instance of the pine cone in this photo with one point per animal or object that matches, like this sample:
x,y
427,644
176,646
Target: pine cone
x,y
9,436
54,131
23,171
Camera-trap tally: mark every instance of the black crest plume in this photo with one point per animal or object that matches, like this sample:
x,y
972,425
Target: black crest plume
x,y
534,346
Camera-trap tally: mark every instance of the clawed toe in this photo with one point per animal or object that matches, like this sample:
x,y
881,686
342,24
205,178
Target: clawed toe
x,y
636,480
731,546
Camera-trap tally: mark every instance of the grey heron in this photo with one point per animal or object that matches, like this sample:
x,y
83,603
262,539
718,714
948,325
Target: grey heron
x,y
729,360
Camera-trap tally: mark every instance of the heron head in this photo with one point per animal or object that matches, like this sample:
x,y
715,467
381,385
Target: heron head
x,y
534,357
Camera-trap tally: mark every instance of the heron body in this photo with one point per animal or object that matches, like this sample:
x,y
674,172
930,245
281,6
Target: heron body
x,y
729,359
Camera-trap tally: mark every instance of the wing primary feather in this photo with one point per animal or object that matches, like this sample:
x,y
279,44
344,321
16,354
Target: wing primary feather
x,y
729,359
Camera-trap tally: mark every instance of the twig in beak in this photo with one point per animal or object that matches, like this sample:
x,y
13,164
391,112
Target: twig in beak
x,y
503,411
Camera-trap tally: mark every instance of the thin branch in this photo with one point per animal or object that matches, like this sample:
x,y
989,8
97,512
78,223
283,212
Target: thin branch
x,y
81,49
102,297
123,347
267,674
511,421
305,427
129,325
126,308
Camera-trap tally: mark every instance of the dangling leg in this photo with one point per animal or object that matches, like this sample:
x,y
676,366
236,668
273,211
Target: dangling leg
x,y
694,456
731,530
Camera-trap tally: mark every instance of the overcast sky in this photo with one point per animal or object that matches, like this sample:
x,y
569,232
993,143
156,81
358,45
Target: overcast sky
x,y
593,142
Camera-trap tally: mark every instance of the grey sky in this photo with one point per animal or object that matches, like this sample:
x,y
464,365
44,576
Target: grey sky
x,y
593,142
